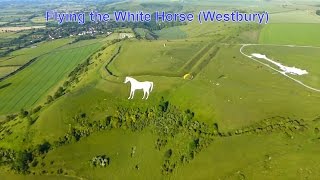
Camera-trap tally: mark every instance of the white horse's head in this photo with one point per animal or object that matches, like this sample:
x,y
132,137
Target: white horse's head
x,y
127,79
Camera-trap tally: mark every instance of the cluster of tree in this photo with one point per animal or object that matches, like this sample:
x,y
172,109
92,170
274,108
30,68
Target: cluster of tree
x,y
101,161
165,120
318,12
269,125
84,37
11,117
20,161
29,115
7,156
81,68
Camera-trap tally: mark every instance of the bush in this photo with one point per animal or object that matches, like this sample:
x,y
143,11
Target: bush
x,y
44,147
49,99
60,171
101,161
37,109
59,92
11,117
23,113
168,153
34,163
30,120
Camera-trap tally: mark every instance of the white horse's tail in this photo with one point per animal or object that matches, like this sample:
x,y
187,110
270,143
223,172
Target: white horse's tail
x,y
151,87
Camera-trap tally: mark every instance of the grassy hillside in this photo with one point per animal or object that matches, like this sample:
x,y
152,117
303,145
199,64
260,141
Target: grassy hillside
x,y
233,118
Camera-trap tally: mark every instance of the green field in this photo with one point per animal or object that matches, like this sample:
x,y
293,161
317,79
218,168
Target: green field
x,y
297,34
37,79
24,55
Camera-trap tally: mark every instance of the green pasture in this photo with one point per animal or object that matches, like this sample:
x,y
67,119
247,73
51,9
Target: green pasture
x,y
294,34
154,58
171,33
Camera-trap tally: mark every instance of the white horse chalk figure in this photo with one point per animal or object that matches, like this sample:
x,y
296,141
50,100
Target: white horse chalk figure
x,y
146,86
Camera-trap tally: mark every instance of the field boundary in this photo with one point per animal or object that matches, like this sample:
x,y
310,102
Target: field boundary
x,y
18,70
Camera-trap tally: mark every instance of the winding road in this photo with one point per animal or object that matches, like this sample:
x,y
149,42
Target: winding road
x,y
280,72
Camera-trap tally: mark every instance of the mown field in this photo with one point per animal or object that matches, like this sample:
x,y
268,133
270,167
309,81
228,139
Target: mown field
x,y
36,80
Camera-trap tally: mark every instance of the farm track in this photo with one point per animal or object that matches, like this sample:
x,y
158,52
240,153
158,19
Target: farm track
x,y
205,60
267,65
190,64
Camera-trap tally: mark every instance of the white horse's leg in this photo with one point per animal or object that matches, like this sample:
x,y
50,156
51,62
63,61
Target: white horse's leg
x,y
144,94
132,94
147,94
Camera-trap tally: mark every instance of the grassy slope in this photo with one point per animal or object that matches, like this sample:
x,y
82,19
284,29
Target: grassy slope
x,y
245,92
273,156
